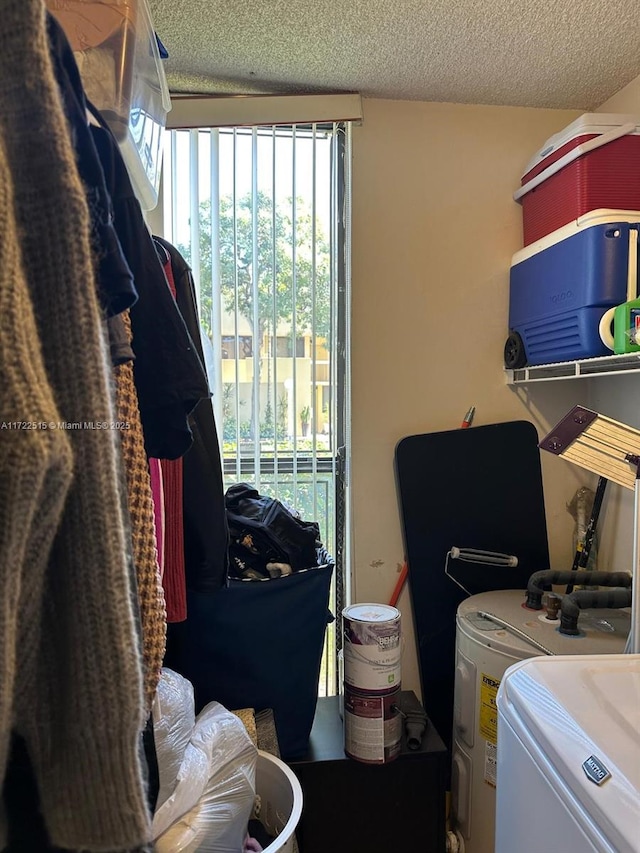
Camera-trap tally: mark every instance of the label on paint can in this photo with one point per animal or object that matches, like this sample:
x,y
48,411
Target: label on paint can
x,y
372,727
372,647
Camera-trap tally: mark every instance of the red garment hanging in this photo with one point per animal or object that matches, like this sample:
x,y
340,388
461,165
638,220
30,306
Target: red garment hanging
x,y
173,577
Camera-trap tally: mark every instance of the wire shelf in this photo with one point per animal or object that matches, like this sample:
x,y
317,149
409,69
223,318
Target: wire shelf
x,y
608,365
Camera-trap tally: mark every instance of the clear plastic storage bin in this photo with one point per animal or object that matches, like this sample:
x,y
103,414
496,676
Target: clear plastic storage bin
x,y
115,46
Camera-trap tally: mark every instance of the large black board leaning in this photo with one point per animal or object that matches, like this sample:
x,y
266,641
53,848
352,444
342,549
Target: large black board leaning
x,y
472,488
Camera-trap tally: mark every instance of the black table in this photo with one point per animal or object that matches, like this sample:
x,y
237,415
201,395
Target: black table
x,y
352,807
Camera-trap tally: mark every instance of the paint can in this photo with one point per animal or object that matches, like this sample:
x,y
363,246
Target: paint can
x,y
372,648
372,726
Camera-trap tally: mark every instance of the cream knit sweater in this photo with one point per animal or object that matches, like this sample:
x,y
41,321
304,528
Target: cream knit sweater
x,y
70,669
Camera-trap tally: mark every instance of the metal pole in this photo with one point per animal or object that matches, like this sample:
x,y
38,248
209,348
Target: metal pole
x,y
584,548
633,640
633,643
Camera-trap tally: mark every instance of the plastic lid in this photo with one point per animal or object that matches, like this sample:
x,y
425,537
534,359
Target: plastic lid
x,y
571,709
586,124
371,612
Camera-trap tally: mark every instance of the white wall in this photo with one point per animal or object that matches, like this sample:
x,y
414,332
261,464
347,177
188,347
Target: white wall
x,y
627,100
434,229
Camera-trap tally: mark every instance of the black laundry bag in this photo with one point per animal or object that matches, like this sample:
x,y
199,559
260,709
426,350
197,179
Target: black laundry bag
x,y
258,644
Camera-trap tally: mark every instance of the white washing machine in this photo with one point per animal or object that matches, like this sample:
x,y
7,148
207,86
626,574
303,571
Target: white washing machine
x,y
569,756
484,651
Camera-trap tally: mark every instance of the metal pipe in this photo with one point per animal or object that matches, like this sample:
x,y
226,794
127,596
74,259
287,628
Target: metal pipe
x,y
538,581
633,644
582,599
513,630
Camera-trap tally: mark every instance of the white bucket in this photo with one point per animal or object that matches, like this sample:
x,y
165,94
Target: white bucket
x,y
280,801
372,647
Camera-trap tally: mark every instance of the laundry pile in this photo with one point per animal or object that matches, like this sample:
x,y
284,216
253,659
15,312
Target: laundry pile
x,y
267,539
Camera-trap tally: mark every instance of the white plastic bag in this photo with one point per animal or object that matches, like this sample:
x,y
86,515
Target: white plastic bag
x,y
174,717
213,800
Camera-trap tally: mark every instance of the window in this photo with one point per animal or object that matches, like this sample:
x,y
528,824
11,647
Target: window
x,y
240,346
284,348
261,213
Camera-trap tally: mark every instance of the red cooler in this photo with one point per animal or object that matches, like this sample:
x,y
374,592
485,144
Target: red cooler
x,y
593,163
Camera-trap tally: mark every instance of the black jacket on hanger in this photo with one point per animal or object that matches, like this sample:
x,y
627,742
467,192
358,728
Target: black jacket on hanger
x,y
206,536
114,279
169,375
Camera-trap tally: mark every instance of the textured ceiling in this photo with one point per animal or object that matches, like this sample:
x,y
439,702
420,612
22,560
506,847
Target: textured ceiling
x,y
570,54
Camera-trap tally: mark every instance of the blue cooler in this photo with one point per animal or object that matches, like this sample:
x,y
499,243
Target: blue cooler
x,y
564,288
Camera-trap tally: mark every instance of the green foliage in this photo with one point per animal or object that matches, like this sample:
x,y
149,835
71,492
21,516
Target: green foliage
x,y
283,414
276,294
266,422
246,431
229,428
228,397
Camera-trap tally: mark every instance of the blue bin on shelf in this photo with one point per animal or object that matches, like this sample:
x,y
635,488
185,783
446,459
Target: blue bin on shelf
x,y
564,288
